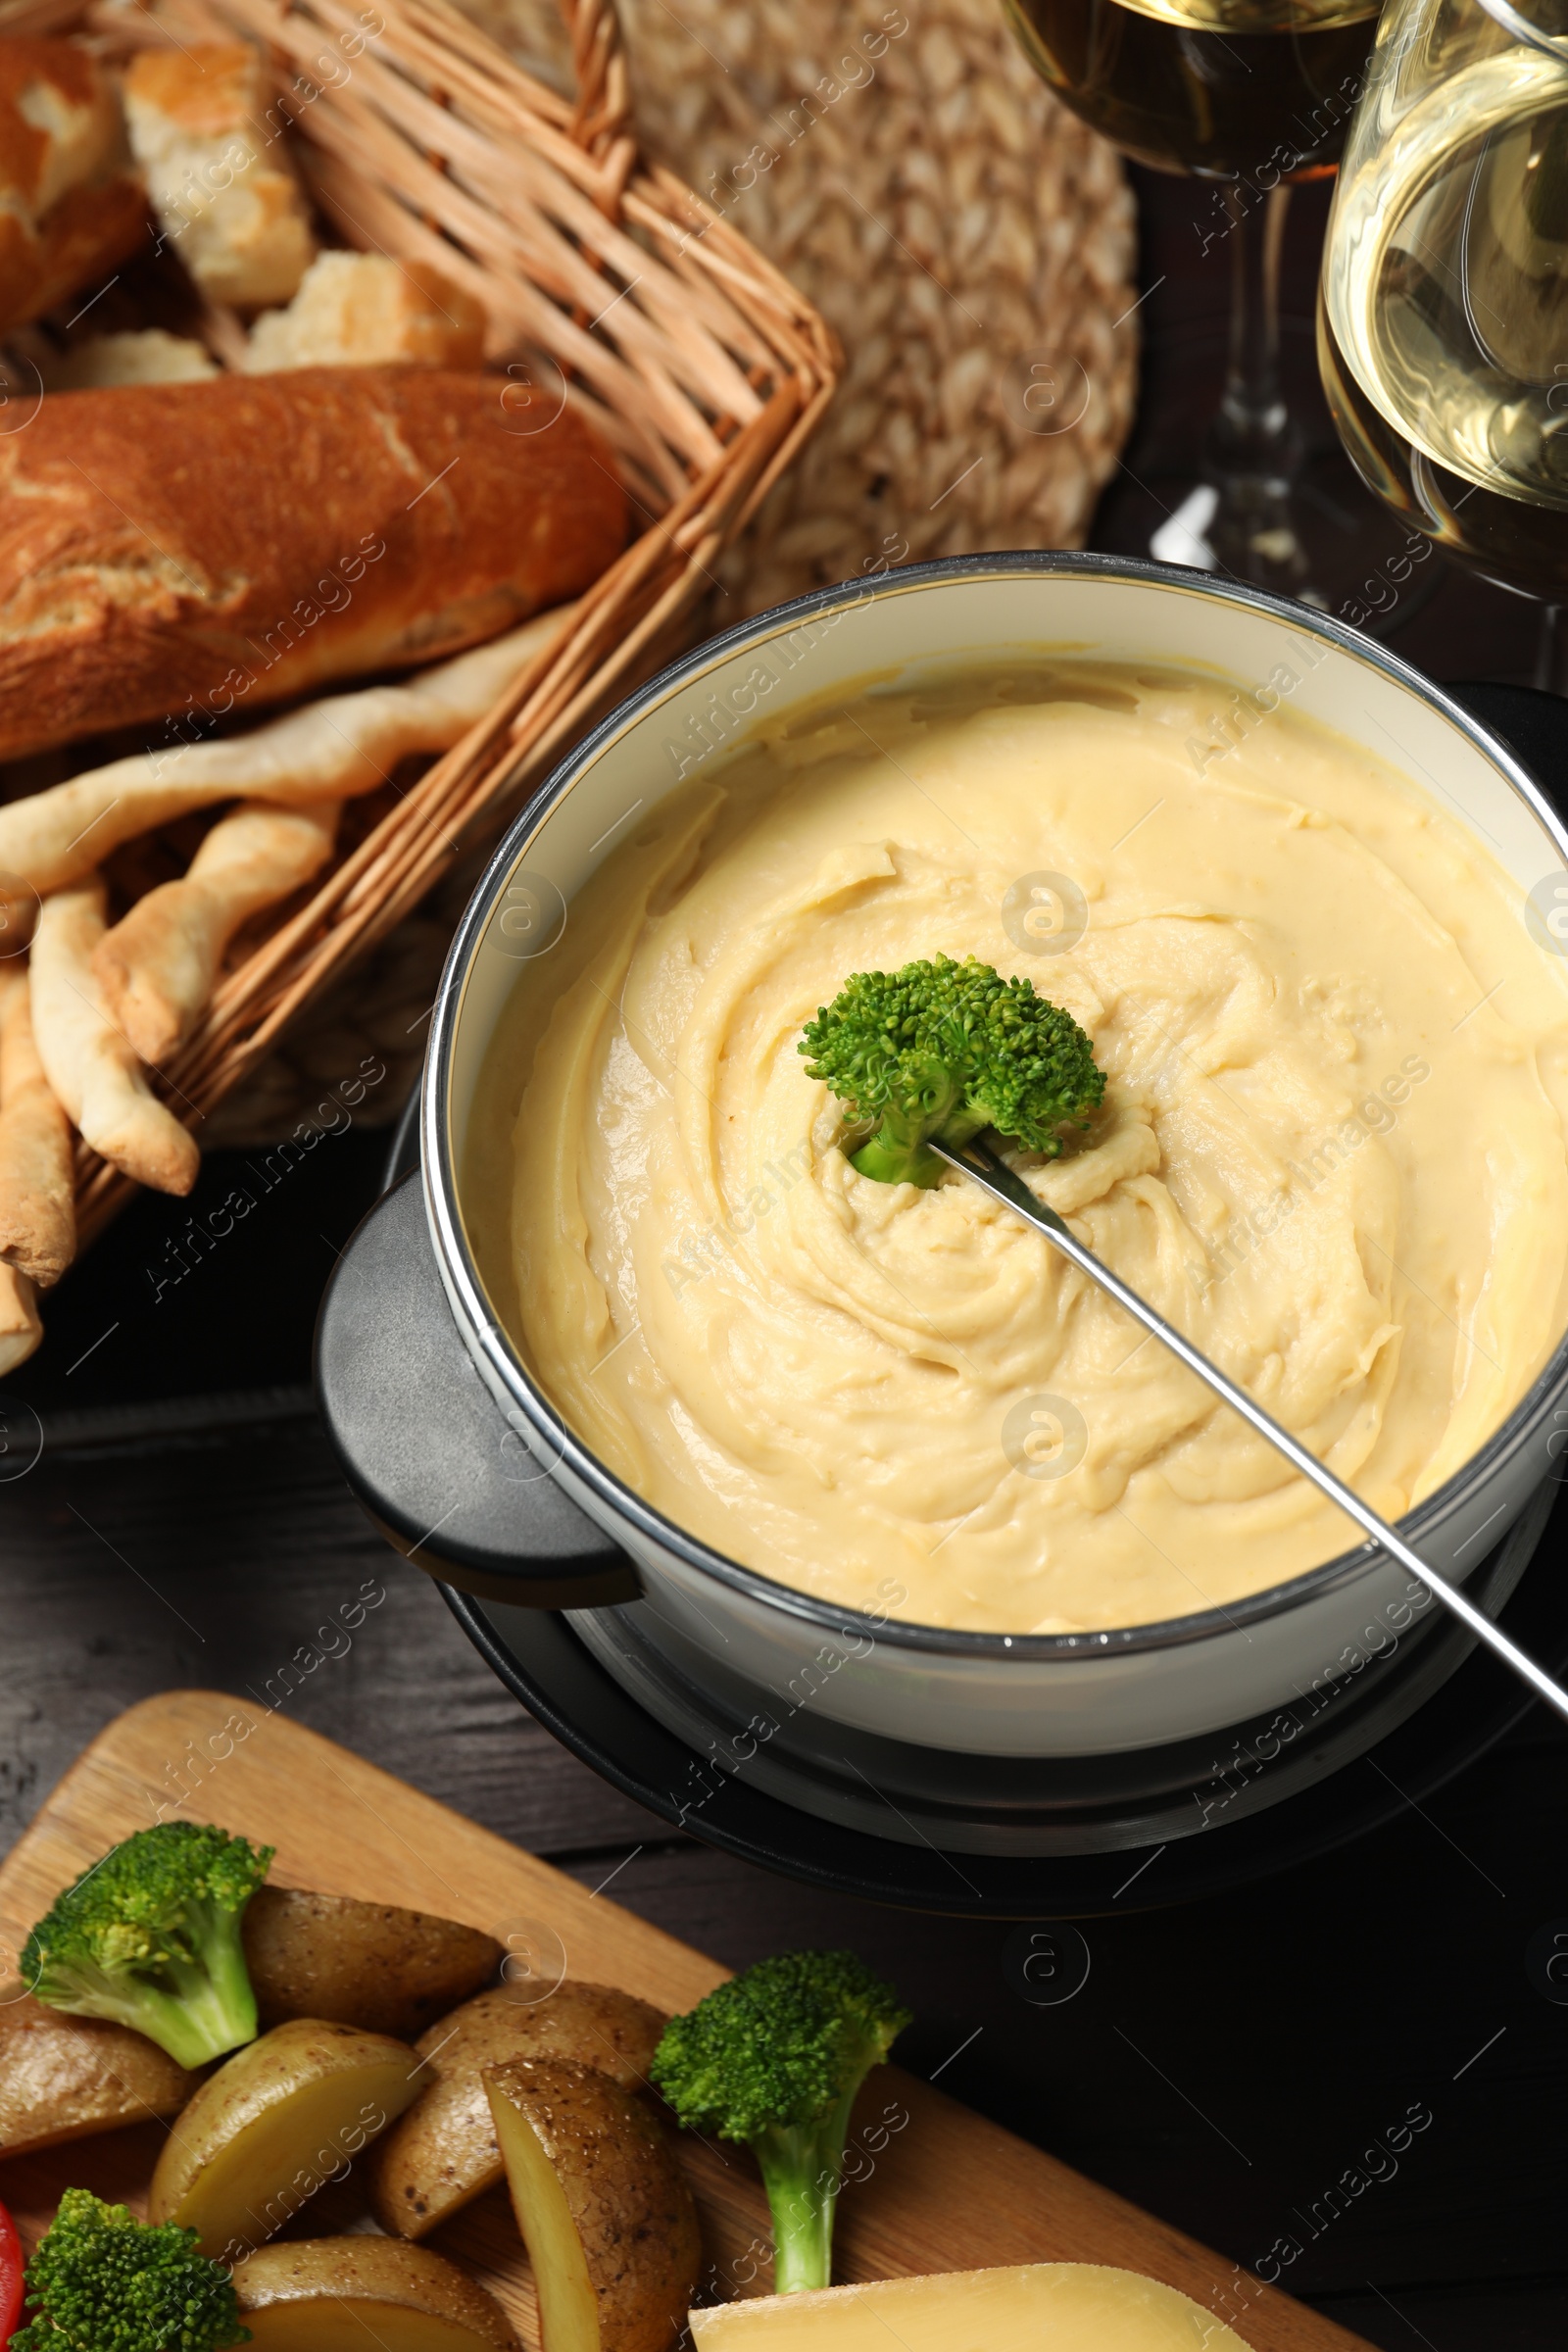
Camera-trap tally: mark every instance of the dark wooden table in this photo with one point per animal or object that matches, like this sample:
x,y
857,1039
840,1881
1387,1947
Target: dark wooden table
x,y
1225,2064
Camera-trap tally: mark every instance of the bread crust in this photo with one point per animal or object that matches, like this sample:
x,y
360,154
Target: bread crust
x,y
364,309
204,92
59,122
206,548
37,1187
92,1070
331,749
208,133
69,208
157,966
20,1326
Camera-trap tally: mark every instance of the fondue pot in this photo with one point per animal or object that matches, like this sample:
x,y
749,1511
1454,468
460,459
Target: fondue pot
x,y
978,1743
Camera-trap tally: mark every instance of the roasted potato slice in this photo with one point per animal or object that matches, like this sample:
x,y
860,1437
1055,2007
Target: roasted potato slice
x,y
443,2152
355,2294
360,1964
604,2210
62,2078
274,2124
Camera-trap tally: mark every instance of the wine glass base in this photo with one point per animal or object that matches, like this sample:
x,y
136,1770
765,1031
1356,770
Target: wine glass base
x,y
1323,539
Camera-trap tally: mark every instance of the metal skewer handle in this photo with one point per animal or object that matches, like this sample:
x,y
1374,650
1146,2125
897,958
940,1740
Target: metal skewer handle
x,y
982,1167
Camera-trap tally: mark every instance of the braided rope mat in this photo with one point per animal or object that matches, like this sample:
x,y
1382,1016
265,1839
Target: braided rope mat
x,y
969,239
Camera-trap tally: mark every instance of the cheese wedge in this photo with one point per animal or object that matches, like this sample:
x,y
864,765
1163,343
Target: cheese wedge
x,y
1037,2306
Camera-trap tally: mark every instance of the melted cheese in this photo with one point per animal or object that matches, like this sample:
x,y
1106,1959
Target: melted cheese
x,y
1332,1152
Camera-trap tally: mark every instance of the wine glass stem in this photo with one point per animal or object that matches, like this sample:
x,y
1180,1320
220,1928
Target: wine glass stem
x,y
1252,434
1551,656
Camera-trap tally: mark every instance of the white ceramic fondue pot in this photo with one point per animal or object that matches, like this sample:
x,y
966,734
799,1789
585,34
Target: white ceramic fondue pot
x,y
1025,1696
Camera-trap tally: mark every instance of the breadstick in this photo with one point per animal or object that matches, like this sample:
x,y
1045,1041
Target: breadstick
x,y
89,1063
20,1327
156,968
13,986
37,1203
331,749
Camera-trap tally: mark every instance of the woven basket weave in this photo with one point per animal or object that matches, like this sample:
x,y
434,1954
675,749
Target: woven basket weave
x,y
700,364
971,241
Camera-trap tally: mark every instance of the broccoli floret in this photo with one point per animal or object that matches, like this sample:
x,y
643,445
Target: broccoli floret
x,y
150,1936
102,2281
945,1050
774,2059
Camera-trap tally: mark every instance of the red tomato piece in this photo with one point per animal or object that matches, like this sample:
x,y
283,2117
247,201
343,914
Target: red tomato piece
x,y
12,2268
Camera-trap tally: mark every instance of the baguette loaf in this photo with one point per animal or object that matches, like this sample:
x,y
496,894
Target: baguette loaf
x,y
188,551
71,208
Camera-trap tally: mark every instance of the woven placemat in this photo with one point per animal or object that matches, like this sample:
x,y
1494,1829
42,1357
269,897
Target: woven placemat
x,y
970,241
973,245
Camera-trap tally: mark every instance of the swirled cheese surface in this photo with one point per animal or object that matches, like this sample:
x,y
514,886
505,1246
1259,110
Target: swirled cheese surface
x,y
1332,1150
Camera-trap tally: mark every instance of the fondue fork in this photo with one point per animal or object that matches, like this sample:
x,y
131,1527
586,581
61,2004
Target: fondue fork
x,y
982,1167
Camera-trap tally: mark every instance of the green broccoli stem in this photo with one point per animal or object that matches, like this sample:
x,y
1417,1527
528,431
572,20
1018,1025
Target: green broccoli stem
x,y
195,2011
889,1162
216,1998
803,2172
895,1154
163,2017
802,2166
774,2059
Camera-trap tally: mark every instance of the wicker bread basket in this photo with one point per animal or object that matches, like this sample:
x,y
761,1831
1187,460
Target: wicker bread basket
x,y
695,357
971,241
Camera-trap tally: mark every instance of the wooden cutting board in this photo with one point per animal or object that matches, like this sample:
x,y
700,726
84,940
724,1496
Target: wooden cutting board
x,y
938,2188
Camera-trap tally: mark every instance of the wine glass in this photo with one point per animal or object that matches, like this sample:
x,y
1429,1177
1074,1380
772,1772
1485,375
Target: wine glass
x,y
1254,95
1443,319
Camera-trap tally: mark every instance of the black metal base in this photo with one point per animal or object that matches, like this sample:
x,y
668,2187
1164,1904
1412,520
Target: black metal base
x,y
549,1669
1043,1807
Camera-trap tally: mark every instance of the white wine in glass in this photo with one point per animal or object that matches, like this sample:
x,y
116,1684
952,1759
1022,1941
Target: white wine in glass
x,y
1237,90
1255,95
1442,327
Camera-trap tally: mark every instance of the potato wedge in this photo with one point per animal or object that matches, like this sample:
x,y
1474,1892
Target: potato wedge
x,y
274,2124
443,2152
62,2078
355,2294
604,2209
360,1964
